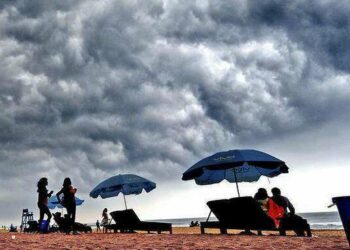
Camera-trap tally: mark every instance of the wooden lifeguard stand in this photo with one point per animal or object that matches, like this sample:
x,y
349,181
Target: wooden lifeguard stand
x,y
26,216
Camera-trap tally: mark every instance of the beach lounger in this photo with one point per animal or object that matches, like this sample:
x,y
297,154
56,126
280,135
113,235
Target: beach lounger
x,y
244,213
63,224
33,227
128,221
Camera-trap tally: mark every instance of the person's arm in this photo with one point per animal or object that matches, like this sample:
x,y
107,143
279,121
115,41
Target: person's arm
x,y
47,193
290,206
58,195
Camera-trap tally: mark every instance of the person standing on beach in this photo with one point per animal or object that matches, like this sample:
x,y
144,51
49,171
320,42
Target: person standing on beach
x,y
98,228
68,202
105,220
43,198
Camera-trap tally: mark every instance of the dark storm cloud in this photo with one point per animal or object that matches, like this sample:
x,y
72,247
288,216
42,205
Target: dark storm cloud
x,y
309,44
94,88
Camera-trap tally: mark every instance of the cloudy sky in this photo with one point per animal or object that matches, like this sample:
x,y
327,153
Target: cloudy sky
x,y
90,89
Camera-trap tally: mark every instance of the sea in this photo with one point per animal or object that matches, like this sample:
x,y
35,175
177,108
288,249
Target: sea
x,y
321,220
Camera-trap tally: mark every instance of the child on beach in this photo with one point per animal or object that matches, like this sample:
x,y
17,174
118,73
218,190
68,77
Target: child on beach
x,y
68,201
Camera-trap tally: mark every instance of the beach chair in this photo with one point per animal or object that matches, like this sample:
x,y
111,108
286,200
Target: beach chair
x,y
244,213
64,226
109,225
128,221
33,227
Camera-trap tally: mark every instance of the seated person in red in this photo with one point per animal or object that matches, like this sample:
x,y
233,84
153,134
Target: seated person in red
x,y
268,205
282,211
278,208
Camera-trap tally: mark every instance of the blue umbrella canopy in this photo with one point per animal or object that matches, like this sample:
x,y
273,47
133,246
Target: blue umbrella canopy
x,y
246,165
126,184
53,202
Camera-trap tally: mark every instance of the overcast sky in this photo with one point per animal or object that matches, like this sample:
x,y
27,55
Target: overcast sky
x,y
91,89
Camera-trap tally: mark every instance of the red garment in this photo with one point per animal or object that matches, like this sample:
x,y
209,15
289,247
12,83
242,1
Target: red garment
x,y
275,211
72,190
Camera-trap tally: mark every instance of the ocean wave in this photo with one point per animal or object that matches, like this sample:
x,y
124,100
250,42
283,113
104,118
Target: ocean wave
x,y
326,226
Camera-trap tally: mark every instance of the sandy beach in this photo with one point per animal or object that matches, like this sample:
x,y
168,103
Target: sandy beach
x,y
182,238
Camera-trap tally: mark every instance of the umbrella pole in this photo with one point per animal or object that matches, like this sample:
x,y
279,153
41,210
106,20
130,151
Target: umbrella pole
x,y
125,202
234,172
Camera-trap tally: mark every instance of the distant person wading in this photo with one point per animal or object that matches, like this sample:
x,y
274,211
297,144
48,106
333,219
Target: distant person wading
x,y
68,201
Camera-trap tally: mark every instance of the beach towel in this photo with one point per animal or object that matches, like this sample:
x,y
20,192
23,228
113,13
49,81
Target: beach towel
x,y
276,212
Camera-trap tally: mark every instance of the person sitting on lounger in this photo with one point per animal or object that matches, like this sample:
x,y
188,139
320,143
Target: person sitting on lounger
x,y
269,206
262,198
278,207
289,219
282,201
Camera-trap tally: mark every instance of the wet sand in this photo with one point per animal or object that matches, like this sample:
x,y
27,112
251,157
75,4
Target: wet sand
x,y
182,238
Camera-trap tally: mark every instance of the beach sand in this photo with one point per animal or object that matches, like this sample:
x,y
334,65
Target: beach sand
x,y
182,238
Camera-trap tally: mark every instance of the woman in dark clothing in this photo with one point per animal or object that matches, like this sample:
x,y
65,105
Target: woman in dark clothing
x,y
68,201
43,198
263,199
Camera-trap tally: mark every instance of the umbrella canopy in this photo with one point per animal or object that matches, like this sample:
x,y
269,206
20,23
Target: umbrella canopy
x,y
126,184
53,202
245,165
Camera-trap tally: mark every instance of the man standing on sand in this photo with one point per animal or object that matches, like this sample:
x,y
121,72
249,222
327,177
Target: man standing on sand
x,y
98,228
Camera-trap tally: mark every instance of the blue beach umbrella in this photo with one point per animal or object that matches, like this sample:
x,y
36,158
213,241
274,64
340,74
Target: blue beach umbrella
x,y
126,184
53,202
245,165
